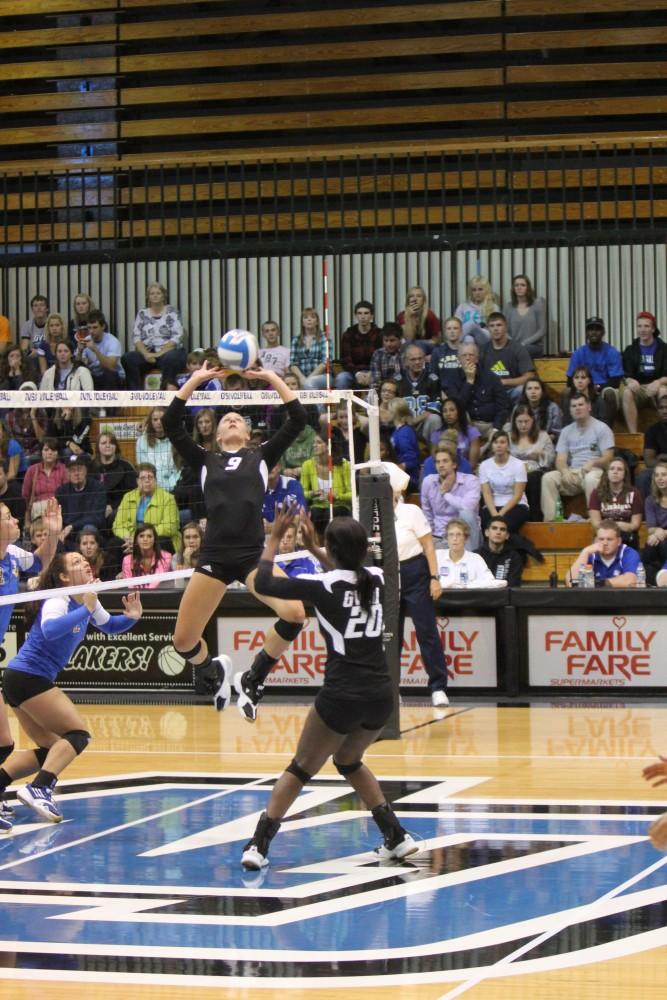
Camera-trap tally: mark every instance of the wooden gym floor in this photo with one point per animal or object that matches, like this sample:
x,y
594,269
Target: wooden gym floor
x,y
536,879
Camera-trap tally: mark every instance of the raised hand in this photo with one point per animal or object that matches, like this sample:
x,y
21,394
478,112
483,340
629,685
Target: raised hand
x,y
132,606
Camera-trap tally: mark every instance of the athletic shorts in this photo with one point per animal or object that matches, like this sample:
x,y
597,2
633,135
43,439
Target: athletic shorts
x,y
236,568
343,715
18,686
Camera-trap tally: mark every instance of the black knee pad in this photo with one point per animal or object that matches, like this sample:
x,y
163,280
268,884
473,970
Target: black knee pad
x,y
41,753
187,654
298,772
78,739
5,752
346,769
288,630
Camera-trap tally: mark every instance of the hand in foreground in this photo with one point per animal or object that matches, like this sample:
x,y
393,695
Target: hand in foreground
x,y
285,516
657,770
132,606
52,517
207,372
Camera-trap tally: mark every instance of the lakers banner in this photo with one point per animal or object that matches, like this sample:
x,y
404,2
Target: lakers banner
x,y
469,645
597,650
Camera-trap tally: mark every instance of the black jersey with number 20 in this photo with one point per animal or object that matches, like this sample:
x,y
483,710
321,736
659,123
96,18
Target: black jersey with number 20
x,y
233,483
356,666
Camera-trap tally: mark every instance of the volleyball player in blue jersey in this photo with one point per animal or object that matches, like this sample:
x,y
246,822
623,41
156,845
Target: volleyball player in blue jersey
x,y
45,713
13,562
355,700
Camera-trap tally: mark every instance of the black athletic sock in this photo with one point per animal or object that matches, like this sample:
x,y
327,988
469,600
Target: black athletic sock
x,y
5,752
44,779
265,831
388,824
5,780
261,667
206,676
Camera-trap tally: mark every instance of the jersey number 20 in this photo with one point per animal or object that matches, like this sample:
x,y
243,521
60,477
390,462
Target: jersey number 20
x,y
362,624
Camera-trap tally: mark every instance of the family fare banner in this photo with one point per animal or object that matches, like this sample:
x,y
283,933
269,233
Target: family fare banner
x,y
597,650
469,645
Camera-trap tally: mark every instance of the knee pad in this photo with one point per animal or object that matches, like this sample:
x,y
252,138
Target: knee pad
x,y
346,769
41,753
5,752
188,654
78,739
298,772
288,630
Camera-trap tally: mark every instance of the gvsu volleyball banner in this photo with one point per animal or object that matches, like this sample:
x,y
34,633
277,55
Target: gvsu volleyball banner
x,y
469,645
597,650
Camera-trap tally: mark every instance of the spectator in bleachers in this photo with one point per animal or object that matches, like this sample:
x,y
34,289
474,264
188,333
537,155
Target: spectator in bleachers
x,y
89,544
54,334
204,429
158,340
357,346
499,553
419,324
535,449
342,432
445,356
147,504
645,367
404,441
458,559
10,494
387,361
37,534
43,479
273,356
450,494
82,500
23,425
70,427
32,330
146,557
298,452
614,563
302,564
154,447
509,362
11,454
582,381
449,438
605,364
67,373
315,483
526,316
5,335
548,415
584,450
388,391
308,355
281,490
482,395
655,443
616,499
454,417
187,553
100,352
475,312
16,368
503,481
115,473
82,306
654,554
421,390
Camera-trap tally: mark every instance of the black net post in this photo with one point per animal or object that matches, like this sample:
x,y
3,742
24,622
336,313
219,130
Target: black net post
x,y
376,513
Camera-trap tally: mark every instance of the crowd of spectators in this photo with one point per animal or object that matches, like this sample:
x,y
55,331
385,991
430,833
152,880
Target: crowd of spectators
x,y
462,411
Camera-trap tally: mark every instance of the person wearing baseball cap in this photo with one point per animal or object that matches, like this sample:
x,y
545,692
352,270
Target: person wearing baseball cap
x,y
82,499
603,361
645,367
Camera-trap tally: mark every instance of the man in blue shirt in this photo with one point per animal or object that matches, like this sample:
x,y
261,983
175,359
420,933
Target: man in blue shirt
x,y
604,362
614,563
280,490
83,501
645,366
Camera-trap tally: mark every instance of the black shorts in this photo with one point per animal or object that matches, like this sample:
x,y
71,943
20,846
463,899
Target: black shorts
x,y
18,686
234,568
343,715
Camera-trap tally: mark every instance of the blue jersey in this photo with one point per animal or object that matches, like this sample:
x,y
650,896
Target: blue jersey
x,y
626,560
59,628
14,562
286,490
297,567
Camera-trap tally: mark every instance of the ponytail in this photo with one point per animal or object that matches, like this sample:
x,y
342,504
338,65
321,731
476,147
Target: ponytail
x,y
366,588
347,542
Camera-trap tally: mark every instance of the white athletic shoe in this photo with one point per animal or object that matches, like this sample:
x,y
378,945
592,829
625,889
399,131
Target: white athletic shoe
x,y
249,695
439,699
403,849
41,800
251,859
223,695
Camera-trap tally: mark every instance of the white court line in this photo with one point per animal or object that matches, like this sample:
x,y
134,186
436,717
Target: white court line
x,y
399,755
559,925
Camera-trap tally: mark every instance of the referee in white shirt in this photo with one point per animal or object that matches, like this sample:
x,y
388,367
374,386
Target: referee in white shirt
x,y
420,583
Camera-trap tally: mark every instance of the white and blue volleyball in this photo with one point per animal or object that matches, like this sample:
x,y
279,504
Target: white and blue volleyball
x,y
238,349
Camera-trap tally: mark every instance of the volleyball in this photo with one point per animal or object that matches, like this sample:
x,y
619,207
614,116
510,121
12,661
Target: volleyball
x,y
238,349
170,662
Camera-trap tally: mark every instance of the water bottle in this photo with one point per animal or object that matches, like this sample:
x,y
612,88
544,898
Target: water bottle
x,y
558,515
641,576
589,577
463,576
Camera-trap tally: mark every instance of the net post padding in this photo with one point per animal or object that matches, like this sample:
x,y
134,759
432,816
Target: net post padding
x,y
376,513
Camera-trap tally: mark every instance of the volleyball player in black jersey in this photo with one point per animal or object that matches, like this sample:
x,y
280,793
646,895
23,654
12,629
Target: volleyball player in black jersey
x,y
355,700
234,481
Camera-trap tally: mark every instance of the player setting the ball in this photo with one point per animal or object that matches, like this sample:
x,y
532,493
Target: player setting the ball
x,y
234,480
